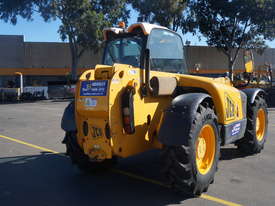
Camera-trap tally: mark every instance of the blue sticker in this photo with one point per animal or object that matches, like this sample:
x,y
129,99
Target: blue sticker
x,y
236,129
94,88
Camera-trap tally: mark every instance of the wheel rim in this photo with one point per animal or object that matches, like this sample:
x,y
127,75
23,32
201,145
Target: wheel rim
x,y
260,125
205,149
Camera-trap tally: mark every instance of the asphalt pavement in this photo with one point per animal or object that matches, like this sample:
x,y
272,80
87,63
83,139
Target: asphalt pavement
x,y
34,170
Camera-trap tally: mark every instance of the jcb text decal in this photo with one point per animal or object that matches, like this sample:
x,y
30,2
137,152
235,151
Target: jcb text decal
x,y
230,107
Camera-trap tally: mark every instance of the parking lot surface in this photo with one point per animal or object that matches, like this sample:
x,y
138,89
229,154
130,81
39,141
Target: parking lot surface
x,y
34,170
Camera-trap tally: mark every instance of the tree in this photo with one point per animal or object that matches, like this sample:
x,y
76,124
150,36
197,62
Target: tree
x,y
168,13
83,22
268,25
11,9
231,25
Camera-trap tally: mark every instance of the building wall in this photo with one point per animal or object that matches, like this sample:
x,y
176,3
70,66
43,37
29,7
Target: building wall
x,y
55,55
209,58
46,55
11,51
15,53
268,57
212,60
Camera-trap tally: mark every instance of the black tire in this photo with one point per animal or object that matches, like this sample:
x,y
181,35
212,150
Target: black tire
x,y
249,144
82,160
180,161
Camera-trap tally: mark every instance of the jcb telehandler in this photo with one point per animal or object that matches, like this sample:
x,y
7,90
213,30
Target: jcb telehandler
x,y
141,98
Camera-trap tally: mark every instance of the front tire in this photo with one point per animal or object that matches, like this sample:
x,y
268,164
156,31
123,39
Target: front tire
x,y
190,168
82,160
256,131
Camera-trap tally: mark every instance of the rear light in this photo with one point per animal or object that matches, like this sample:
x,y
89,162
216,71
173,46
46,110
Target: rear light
x,y
128,110
127,120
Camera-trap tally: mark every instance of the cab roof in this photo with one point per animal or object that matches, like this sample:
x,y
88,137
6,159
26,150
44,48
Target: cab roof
x,y
145,27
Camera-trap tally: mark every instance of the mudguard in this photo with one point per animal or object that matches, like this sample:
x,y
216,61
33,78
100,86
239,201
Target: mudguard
x,y
251,94
177,119
68,119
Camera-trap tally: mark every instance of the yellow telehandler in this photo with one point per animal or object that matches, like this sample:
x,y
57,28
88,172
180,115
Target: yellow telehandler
x,y
142,98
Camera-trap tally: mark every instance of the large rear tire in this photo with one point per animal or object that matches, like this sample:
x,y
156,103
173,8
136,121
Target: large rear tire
x,y
82,160
256,130
190,168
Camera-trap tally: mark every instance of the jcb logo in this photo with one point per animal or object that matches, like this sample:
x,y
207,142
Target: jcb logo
x,y
230,107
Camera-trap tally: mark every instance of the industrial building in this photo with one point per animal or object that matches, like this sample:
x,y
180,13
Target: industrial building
x,y
42,63
39,62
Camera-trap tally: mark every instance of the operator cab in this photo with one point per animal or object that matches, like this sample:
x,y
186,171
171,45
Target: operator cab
x,y
127,46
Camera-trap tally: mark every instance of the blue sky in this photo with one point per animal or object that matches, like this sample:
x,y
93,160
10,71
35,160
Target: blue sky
x,y
36,30
40,31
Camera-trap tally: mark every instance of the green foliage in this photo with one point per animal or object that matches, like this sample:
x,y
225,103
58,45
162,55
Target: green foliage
x,y
10,9
83,22
266,20
232,24
168,13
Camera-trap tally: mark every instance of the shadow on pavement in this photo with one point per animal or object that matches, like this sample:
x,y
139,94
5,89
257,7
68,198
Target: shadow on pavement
x,y
231,153
51,180
63,100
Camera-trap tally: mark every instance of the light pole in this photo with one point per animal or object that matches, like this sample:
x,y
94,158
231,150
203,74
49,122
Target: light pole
x,y
21,81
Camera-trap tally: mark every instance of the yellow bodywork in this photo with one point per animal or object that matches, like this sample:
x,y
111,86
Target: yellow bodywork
x,y
106,110
248,61
249,66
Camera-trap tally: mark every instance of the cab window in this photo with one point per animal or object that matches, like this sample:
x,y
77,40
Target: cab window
x,y
166,51
124,51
